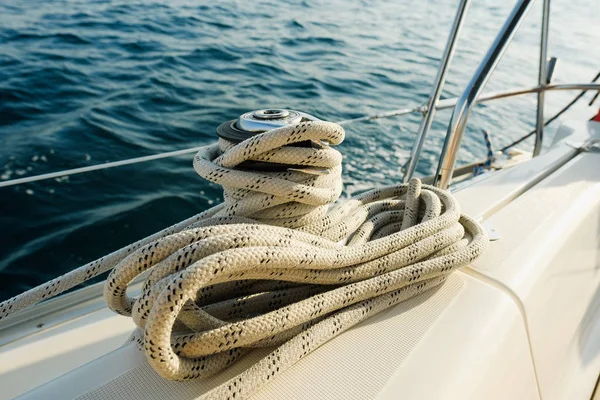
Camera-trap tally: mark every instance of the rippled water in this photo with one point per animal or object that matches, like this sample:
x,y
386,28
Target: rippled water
x,y
84,82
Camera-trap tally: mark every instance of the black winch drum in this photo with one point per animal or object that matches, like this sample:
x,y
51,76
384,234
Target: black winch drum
x,y
255,122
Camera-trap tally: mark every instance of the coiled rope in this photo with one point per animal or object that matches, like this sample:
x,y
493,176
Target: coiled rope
x,y
272,266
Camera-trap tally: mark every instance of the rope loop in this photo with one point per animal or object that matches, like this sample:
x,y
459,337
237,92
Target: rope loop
x,y
277,263
215,292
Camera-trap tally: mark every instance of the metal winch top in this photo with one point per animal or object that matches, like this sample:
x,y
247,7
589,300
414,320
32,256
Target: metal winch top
x,y
255,122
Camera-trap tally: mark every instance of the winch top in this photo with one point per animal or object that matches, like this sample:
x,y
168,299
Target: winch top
x,y
255,122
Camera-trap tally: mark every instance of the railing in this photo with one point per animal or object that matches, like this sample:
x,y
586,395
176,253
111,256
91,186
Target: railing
x,y
543,78
438,85
466,100
469,97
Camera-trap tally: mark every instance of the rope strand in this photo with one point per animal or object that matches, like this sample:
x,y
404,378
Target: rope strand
x,y
275,264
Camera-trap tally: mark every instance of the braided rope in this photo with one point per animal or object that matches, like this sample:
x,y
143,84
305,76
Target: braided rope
x,y
271,265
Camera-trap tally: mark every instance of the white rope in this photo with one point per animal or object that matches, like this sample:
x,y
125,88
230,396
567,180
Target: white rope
x,y
273,265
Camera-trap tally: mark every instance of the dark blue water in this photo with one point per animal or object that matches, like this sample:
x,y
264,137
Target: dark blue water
x,y
84,82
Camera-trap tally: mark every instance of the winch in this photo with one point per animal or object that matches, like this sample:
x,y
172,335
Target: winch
x,y
255,122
